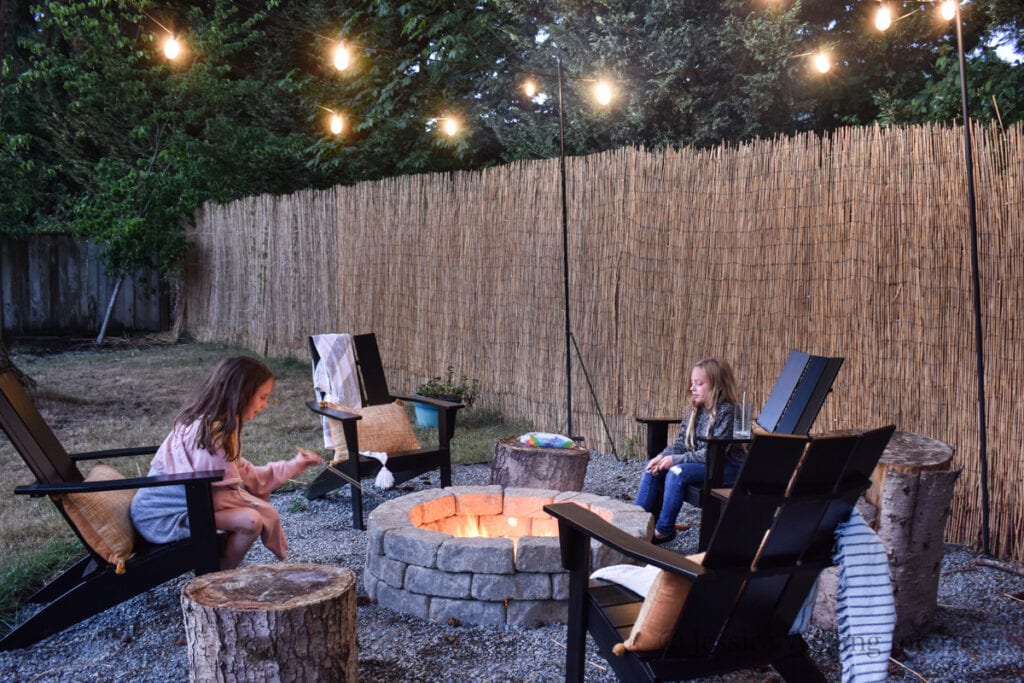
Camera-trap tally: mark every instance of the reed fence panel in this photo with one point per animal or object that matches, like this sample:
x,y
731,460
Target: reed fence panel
x,y
854,244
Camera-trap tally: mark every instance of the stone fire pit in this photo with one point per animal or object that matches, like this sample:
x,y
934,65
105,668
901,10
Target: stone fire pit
x,y
511,573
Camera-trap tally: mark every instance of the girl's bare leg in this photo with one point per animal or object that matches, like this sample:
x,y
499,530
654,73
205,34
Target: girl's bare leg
x,y
243,527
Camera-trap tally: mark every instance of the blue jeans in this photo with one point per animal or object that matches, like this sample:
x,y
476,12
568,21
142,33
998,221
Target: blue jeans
x,y
661,494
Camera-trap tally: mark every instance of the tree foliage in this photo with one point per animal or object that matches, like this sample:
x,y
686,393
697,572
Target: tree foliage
x,y
129,144
101,135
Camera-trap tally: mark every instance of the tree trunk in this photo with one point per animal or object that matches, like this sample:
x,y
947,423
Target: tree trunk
x,y
912,514
522,466
912,487
280,622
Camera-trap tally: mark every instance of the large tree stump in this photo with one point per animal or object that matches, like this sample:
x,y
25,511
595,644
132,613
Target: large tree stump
x,y
912,488
279,622
523,466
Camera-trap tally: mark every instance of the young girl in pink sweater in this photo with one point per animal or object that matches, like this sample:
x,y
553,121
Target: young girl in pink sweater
x,y
207,436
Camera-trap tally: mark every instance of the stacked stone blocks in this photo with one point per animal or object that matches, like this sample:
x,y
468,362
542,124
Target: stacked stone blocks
x,y
510,575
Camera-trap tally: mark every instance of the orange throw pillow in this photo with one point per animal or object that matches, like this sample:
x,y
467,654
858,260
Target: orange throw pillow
x,y
383,428
103,518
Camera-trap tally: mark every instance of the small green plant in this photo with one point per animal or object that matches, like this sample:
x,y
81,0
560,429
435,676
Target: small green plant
x,y
464,391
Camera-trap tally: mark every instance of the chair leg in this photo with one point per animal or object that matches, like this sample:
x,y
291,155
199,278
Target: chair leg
x,y
357,509
799,669
98,592
71,577
325,482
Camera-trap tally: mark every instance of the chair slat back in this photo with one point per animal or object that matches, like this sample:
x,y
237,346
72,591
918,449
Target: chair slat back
x,y
373,384
798,394
788,518
372,380
755,497
799,519
32,437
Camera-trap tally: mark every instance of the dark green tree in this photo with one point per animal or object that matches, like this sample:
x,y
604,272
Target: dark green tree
x,y
134,142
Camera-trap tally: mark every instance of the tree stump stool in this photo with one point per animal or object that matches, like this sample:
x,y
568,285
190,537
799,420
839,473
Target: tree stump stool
x,y
911,491
521,465
279,622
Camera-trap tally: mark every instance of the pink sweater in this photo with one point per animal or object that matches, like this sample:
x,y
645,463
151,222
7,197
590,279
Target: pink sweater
x,y
243,485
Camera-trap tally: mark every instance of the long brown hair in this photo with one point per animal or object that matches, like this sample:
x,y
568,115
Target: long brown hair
x,y
218,404
723,390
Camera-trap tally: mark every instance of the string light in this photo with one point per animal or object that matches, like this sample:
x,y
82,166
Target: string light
x,y
822,62
450,126
948,10
172,48
342,57
883,19
603,93
336,123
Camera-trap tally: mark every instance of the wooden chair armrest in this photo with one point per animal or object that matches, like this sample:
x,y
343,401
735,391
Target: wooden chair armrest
x,y
585,522
723,440
446,412
657,433
331,413
658,420
430,401
187,478
114,453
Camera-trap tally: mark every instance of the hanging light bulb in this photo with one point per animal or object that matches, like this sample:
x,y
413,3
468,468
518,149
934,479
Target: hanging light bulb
x,y
342,57
530,89
883,19
337,123
450,126
822,62
603,93
948,10
172,48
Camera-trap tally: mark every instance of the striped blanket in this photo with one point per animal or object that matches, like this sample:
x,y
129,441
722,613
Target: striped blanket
x,y
865,608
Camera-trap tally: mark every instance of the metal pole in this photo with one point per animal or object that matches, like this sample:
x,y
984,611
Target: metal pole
x,y
976,281
565,251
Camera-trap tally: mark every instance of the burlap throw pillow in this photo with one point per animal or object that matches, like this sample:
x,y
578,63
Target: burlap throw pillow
x,y
103,518
383,428
658,615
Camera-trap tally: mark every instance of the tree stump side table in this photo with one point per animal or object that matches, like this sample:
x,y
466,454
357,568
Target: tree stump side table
x,y
910,496
278,622
521,465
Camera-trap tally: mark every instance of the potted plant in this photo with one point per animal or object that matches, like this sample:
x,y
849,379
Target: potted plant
x,y
446,389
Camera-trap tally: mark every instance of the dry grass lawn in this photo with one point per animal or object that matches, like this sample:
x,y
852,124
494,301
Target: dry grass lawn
x,y
128,395
124,397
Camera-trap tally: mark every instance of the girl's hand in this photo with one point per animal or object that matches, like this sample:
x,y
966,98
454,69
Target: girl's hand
x,y
659,463
307,458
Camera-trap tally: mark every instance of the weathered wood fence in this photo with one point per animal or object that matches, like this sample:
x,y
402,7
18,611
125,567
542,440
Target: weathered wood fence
x,y
54,284
855,244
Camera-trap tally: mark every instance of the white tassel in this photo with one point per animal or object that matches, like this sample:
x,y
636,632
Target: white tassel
x,y
385,479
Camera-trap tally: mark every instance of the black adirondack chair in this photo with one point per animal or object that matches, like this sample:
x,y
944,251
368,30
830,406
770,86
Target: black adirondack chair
x,y
92,585
774,537
792,406
405,465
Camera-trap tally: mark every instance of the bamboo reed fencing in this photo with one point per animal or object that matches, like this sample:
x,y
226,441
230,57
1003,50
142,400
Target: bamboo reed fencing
x,y
855,244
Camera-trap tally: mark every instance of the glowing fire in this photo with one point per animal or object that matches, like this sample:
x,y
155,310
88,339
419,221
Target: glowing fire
x,y
495,526
468,527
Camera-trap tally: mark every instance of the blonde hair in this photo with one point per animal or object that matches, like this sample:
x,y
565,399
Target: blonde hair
x,y
723,390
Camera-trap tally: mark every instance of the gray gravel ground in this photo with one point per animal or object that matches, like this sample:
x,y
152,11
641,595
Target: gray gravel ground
x,y
979,636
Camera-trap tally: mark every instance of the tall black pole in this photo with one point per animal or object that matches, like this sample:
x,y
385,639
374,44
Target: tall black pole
x,y
565,251
976,280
